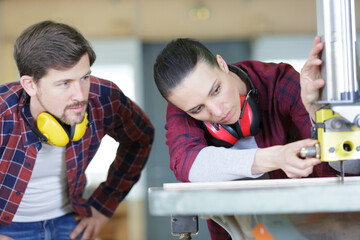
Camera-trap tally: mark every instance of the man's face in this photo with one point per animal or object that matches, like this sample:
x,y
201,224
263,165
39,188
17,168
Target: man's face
x,y
210,94
64,93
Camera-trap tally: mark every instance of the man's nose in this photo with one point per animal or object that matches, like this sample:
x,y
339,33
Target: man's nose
x,y
79,92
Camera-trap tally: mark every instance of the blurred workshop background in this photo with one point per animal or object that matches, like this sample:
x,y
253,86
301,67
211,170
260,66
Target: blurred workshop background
x,y
127,35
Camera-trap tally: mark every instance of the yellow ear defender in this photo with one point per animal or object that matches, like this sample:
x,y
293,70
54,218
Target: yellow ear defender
x,y
49,129
56,133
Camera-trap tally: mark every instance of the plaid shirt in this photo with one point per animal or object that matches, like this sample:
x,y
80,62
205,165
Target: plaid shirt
x,y
111,113
283,115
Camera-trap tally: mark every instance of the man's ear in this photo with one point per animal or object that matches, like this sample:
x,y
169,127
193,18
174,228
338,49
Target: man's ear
x,y
222,64
28,84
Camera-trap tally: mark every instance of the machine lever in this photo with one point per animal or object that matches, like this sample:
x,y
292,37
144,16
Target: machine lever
x,y
310,151
315,152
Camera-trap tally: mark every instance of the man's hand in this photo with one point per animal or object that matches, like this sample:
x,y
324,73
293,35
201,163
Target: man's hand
x,y
285,157
2,237
310,78
89,226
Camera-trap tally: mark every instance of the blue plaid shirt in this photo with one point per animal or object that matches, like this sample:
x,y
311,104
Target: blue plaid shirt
x,y
112,113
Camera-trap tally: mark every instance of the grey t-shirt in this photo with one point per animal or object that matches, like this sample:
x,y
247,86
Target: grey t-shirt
x,y
224,164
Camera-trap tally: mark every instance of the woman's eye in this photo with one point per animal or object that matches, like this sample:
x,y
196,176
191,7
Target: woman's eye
x,y
197,110
217,90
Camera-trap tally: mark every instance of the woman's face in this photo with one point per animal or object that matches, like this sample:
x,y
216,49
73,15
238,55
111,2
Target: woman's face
x,y
210,93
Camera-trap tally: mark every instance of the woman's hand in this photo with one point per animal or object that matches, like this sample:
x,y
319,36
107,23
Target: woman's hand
x,y
310,78
285,157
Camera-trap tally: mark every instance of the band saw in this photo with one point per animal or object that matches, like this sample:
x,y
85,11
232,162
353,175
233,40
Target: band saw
x,y
337,125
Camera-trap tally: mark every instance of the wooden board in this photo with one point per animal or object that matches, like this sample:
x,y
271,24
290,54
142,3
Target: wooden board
x,y
261,183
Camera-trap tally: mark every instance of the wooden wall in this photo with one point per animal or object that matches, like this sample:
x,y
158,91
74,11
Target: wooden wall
x,y
154,20
163,19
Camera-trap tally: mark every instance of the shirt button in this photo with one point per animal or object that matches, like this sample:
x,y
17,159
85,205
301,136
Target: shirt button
x,y
27,164
6,218
18,193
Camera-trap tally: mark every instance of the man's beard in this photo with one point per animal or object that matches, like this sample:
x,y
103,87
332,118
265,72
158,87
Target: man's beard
x,y
79,116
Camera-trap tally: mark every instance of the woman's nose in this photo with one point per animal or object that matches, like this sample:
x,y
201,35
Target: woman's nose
x,y
215,110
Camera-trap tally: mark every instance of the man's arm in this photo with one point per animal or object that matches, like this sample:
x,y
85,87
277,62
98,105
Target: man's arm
x,y
128,124
89,226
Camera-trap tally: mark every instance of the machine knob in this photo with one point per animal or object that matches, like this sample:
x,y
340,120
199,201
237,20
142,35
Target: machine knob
x,y
357,120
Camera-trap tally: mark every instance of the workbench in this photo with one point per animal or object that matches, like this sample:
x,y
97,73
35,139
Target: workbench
x,y
277,208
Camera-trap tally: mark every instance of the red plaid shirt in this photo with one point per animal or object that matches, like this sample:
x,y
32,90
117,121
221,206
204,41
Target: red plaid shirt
x,y
284,120
112,113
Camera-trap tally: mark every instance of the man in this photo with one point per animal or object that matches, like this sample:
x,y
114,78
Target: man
x,y
257,103
52,123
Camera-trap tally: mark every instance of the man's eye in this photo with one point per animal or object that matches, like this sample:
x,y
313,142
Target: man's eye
x,y
86,77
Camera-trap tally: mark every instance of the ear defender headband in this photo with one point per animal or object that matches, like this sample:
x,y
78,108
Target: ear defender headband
x,y
249,122
51,130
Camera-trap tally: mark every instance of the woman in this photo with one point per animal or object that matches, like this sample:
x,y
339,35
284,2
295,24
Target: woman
x,y
201,87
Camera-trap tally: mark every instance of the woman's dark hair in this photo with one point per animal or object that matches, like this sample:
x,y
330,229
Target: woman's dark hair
x,y
47,45
177,60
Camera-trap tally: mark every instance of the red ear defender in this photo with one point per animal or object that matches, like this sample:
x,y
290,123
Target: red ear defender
x,y
248,125
250,117
220,135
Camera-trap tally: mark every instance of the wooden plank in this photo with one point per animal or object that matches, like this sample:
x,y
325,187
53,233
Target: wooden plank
x,y
261,183
323,197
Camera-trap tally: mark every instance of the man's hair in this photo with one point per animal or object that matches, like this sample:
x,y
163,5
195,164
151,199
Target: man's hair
x,y
49,45
177,60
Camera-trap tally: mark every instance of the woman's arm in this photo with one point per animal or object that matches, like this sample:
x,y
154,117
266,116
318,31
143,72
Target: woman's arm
x,y
285,157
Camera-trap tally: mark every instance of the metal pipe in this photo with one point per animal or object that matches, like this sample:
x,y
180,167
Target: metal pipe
x,y
336,27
